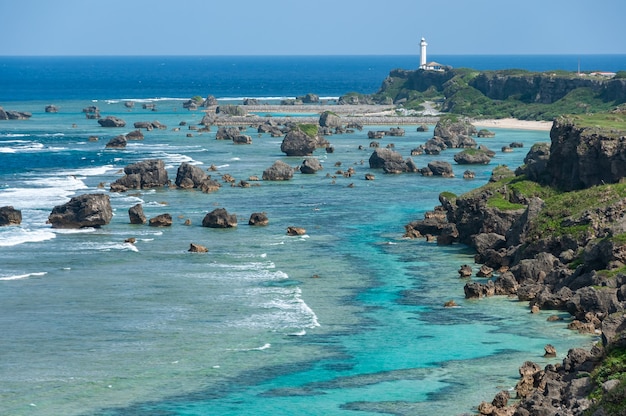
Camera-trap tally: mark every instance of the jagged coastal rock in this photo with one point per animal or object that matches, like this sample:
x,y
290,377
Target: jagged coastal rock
x,y
142,175
136,215
279,171
111,121
162,220
10,216
89,210
298,143
310,165
258,218
219,218
563,249
14,115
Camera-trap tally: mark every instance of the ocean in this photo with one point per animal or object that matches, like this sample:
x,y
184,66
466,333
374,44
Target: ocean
x,y
346,319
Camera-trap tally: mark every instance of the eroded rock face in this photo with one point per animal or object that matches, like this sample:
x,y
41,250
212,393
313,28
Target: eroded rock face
x,y
89,210
10,216
258,218
279,171
142,175
219,218
136,215
298,143
163,220
111,121
581,157
310,165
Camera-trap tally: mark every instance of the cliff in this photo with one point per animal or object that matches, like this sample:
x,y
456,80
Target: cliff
x,y
505,93
558,242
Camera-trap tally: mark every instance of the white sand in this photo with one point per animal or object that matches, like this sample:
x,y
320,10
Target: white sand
x,y
512,123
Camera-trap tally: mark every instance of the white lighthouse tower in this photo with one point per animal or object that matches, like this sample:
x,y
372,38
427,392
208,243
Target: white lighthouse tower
x,y
423,45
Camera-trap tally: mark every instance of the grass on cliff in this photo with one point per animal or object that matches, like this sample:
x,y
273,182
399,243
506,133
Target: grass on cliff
x,y
308,129
615,122
613,367
562,212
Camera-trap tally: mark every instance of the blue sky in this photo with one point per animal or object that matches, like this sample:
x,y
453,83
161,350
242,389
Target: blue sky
x,y
320,27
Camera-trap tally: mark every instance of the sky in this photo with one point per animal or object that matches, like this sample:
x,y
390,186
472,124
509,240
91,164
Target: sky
x,y
319,27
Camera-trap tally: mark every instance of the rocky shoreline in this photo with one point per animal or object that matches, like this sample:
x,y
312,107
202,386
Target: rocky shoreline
x,y
553,231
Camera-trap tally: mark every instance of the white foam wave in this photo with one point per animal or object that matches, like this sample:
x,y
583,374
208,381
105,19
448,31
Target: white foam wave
x,y
23,276
261,348
11,135
13,236
42,192
235,158
110,246
85,230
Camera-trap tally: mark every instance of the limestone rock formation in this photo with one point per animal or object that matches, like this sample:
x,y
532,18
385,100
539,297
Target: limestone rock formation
x,y
88,210
298,143
10,216
118,142
472,157
219,218
136,215
142,175
310,165
279,171
111,121
258,218
162,220
197,248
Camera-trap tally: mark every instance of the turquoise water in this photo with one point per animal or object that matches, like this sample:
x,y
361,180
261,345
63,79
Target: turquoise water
x,y
92,325
95,326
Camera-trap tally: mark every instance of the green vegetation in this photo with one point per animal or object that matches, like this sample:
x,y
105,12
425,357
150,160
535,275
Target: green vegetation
x,y
552,220
308,129
613,367
506,93
605,121
500,202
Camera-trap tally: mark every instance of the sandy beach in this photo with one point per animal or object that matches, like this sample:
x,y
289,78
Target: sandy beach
x,y
512,123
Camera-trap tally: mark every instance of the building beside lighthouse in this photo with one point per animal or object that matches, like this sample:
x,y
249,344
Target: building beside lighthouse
x,y
424,64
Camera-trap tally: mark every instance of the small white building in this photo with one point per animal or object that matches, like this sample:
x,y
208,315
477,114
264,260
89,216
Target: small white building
x,y
428,66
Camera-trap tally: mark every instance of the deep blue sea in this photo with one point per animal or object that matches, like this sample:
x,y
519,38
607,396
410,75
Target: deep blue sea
x,y
347,319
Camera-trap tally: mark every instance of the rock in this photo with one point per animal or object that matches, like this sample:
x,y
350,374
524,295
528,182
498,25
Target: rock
x,y
485,271
88,210
516,145
422,128
219,218
51,109
136,215
227,133
485,133
111,121
14,115
118,142
329,119
472,157
135,135
10,216
527,372
142,175
465,271
535,163
130,240
189,176
197,248
550,351
298,143
231,110
293,231
369,177
450,304
250,101
210,101
501,399
440,168
279,171
382,157
163,220
258,218
242,139
448,128
309,98
468,174
143,125
310,166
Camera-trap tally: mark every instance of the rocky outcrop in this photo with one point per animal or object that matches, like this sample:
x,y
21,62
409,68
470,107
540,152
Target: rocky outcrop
x,y
14,115
10,216
298,143
89,210
162,220
258,218
574,264
142,175
227,133
329,119
118,142
581,157
111,121
279,171
189,176
136,215
197,248
472,157
219,218
310,165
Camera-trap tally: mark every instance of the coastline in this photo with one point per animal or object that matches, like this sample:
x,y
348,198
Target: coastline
x,y
513,123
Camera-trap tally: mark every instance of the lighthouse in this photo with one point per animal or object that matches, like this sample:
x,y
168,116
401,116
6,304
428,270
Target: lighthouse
x,y
423,45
